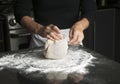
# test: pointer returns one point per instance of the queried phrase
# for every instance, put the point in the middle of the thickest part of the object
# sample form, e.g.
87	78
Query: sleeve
88	9
22	8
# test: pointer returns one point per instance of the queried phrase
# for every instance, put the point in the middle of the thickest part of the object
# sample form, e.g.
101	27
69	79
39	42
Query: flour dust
75	61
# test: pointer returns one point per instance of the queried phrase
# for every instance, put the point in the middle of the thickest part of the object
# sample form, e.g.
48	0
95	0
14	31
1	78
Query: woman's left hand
76	35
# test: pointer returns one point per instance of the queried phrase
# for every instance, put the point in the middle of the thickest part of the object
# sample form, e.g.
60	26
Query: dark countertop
105	71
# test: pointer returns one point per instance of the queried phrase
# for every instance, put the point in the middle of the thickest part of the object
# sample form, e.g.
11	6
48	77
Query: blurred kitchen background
102	36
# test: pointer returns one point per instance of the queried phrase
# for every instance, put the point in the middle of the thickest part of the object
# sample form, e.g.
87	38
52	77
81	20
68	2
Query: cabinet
106	33
104	37
1	35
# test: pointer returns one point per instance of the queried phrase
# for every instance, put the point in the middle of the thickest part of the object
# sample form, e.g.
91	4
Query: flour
33	61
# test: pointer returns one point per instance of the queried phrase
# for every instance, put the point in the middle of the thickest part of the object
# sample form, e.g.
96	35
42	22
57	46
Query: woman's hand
76	34
51	32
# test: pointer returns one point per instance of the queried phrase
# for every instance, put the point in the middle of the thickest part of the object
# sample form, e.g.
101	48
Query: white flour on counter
75	61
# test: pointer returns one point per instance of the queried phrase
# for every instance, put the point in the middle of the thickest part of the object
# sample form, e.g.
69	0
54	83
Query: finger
50	25
54	36
74	43
56	29
47	30
75	37
49	37
60	36
58	33
71	34
79	39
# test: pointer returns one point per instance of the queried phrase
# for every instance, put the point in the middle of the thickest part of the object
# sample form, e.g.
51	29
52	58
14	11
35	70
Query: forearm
30	24
82	24
88	10
50	31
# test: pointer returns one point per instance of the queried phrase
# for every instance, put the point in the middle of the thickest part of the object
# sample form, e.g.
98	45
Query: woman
52	18
73	16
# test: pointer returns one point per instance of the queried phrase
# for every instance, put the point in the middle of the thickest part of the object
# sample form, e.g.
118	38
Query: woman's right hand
51	32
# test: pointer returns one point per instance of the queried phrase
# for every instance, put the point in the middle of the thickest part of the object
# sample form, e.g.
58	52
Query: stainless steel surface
11	22
15	43
16	37
105	71
28	63
19	33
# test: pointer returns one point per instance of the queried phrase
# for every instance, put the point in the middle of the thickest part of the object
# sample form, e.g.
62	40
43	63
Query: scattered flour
33	61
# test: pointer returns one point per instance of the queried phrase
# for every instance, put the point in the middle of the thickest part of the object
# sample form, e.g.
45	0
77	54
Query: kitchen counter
104	71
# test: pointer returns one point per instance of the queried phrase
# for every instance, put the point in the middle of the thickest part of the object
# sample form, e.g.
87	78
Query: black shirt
63	13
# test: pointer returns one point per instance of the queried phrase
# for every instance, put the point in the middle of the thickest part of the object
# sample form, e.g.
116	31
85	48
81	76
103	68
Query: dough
56	49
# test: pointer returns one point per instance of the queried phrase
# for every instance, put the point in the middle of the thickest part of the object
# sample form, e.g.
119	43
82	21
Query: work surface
103	71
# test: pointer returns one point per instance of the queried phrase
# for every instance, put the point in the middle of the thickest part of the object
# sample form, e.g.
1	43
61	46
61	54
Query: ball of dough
56	49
